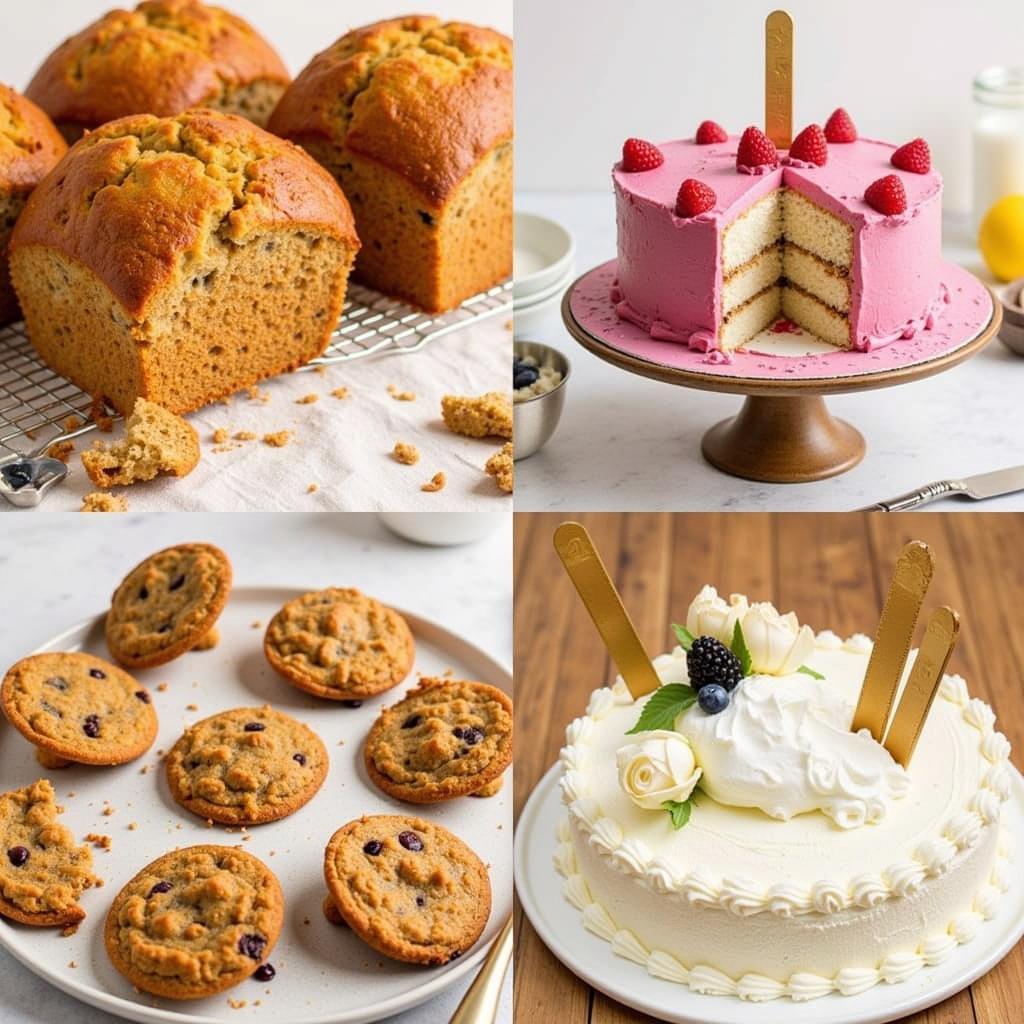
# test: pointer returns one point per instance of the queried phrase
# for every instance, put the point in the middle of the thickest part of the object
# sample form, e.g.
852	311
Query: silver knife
984	485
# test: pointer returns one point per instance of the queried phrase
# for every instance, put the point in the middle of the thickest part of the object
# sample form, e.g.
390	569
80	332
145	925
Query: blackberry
710	661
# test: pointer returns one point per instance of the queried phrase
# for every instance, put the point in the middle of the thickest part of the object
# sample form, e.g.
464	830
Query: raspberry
886	195
638	155
810	146
756	150
914	156
840	127
710	131
709	661
694	197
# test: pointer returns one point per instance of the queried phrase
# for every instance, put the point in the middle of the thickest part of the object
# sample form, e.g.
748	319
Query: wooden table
832	570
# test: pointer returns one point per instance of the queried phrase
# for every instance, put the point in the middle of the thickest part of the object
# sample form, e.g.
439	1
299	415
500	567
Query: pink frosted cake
720	236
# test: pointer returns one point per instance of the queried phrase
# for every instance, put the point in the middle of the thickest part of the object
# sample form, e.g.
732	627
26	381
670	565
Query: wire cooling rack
37	405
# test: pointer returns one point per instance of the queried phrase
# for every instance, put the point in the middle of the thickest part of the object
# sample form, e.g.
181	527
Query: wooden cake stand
784	432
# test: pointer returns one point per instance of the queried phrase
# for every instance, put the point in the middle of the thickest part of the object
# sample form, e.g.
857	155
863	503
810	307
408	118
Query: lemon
1001	238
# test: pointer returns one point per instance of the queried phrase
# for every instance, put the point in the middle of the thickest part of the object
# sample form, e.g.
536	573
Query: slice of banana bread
414	119
29	146
161	58
181	259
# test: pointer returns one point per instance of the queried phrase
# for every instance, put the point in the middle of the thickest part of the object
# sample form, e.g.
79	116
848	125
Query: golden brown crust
171	185
161	58
425	99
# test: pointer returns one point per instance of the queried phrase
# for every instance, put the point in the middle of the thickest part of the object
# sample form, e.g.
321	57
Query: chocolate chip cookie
42	871
447	738
167	604
246	766
339	644
78	707
407	887
194	922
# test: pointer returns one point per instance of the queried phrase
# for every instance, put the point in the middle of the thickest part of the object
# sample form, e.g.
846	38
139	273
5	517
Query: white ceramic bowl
543	254
442	529
531	315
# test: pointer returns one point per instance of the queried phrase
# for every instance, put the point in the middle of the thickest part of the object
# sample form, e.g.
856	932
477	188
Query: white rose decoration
661	767
778	644
710	615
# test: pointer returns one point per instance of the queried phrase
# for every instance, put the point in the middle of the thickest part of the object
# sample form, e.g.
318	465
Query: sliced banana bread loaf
180	259
29	147
414	119
161	58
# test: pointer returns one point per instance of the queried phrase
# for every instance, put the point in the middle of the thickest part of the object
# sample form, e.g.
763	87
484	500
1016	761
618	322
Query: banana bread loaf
414	119
29	147
180	259
161	58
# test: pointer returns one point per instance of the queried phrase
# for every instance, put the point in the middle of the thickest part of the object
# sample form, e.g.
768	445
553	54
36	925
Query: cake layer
761	272
816	230
752	232
825	281
815	316
753	316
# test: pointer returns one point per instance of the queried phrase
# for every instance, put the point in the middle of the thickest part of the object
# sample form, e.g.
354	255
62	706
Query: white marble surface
53	577
625	442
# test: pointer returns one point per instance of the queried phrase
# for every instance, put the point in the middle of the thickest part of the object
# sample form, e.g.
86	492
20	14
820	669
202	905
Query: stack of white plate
543	267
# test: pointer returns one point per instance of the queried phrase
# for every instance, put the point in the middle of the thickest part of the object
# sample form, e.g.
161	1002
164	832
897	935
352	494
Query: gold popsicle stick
480	1003
778	78
602	601
932	658
909	583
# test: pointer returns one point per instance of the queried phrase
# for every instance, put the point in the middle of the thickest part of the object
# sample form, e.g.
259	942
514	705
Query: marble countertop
625	442
54	577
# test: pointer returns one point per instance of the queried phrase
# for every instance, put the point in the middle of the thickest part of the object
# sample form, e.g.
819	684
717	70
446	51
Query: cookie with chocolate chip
76	707
167	604
447	738
339	644
246	766
195	922
43	871
409	888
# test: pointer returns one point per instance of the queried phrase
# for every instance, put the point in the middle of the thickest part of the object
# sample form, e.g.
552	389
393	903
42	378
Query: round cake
758	848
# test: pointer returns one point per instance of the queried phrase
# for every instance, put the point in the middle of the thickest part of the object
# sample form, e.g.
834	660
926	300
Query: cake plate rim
559	926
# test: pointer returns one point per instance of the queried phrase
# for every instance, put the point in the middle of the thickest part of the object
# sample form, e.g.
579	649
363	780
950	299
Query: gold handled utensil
480	1003
910	580
778	78
940	638
602	601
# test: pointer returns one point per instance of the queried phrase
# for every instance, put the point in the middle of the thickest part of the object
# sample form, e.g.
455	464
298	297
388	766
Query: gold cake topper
778	78
602	601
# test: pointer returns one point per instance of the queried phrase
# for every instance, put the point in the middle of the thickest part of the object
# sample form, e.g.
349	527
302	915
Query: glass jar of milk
998	137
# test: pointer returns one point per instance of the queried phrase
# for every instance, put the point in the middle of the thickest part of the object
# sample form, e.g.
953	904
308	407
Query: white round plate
560	926
325	975
543	254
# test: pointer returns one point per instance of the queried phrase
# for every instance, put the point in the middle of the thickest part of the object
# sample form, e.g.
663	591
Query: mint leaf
665	704
683	635
678	811
739	648
810	672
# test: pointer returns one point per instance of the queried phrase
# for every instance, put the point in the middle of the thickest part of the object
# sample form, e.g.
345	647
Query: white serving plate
543	253
560	926
325	975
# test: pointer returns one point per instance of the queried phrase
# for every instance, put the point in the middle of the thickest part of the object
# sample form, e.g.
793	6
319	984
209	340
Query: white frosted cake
761	849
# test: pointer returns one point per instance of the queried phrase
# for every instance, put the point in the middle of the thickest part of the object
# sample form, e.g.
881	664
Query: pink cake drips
669	268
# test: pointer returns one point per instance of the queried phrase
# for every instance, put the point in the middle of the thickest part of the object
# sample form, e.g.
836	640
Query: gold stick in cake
932	658
602	601
910	580
778	78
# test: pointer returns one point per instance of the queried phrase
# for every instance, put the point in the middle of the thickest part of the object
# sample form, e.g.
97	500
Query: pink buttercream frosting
669	268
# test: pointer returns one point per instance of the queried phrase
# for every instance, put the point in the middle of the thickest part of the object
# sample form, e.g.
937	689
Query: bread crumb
221	435
312	488
162	687
132	826
257	624
72	964
144	770
488	415
307	399
237	1004
108	810
209	640
401	396
191	707
101	842
437	482
500	466
245	435
100	502
278	440
340	393
407	454
98	414
61	450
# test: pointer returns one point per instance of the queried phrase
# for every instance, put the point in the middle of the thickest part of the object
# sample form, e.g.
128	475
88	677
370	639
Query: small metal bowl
535	419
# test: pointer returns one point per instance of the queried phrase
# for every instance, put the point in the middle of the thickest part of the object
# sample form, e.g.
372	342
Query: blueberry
412	721
373	848
143	594
57	683
301	758
713	698
97	673
175	584
426	218
252	946
265	972
421	901
525	377
458	732
254	727
352	703
455	955
472	735
91	726
411	841
161	887
142	695
17	855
